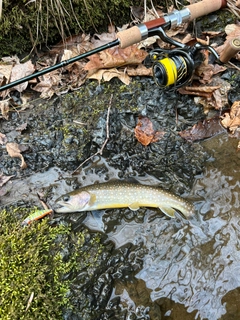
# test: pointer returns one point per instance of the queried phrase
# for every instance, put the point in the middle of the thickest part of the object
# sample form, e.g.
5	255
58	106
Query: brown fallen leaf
203	129
14	150
206	72
6	66
79	43
102	39
48	84
4	108
116	57
108	74
212	96
4	179
231	120
21	70
199	91
5	72
140	70
145	133
3	138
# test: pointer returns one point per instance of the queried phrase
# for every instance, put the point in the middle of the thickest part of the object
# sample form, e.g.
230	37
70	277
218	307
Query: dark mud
152	267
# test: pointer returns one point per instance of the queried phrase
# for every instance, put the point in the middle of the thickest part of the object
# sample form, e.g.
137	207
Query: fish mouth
62	207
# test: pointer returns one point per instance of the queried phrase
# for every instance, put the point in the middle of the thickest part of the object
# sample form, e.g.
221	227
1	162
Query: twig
145	10
100	151
154	10
233	65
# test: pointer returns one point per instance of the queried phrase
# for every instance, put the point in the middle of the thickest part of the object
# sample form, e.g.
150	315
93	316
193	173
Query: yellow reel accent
171	70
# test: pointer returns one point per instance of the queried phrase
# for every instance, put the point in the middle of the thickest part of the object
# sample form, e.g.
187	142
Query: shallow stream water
192	271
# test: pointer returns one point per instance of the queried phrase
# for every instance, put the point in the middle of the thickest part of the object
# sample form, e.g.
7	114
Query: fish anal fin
134	206
168	211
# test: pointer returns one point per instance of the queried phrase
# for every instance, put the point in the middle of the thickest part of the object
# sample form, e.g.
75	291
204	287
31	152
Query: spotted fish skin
122	195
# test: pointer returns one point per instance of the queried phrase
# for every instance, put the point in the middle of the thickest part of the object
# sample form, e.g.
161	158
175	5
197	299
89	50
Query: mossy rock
36	260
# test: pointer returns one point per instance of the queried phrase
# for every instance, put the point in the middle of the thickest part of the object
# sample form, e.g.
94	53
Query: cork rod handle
134	35
205	7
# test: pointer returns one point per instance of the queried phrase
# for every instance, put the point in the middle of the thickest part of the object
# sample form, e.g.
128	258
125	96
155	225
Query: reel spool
174	68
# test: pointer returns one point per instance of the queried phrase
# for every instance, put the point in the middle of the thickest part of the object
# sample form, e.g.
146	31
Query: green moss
33	259
27	23
218	21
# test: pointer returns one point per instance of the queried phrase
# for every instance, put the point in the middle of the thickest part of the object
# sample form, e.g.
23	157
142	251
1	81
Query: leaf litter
207	87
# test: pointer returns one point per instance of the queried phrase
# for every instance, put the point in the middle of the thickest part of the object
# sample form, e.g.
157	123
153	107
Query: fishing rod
171	67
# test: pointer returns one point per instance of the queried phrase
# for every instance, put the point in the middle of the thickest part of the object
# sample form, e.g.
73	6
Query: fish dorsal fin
168	211
134	206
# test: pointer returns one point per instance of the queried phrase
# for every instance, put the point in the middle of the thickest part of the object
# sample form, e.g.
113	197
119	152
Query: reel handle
140	32
230	50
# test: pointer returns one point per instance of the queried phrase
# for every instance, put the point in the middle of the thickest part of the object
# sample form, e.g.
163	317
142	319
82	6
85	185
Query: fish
110	195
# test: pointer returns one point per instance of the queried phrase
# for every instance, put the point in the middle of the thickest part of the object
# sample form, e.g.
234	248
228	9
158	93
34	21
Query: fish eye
66	198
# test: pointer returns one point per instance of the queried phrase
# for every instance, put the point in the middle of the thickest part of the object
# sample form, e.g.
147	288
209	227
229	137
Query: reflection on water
196	264
201	267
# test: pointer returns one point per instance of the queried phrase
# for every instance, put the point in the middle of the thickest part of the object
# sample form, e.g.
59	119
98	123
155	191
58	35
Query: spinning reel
174	68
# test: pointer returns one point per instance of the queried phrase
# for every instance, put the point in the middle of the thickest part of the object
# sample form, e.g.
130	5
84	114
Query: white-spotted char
122	195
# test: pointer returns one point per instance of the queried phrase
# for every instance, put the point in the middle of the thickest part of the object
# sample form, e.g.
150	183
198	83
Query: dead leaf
212	96
3	138
148	42
108	74
80	42
140	70
211	33
231	120
116	57
5	73
22	127
205	71
102	39
4	107
19	71
48	84
201	91
145	133
203	129
14	150
4	179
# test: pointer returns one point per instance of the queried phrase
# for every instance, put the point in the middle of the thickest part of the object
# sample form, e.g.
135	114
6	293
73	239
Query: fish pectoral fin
168	211
92	199
134	206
